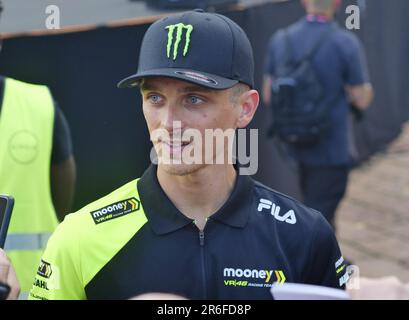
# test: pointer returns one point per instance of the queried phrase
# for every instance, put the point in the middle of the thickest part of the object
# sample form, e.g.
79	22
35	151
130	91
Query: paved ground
373	219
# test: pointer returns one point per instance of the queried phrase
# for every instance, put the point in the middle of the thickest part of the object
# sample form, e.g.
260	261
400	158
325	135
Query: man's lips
174	146
176	143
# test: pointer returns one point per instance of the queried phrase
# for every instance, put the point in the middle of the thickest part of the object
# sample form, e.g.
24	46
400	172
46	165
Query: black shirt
135	241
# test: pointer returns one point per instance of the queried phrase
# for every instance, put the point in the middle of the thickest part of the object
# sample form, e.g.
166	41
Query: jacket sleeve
356	69
59	274
326	266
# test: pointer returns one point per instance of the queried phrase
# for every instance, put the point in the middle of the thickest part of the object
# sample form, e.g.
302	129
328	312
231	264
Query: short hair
322	4
236	91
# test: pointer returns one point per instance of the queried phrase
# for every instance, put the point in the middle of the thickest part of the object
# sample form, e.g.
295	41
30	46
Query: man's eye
154	98
194	100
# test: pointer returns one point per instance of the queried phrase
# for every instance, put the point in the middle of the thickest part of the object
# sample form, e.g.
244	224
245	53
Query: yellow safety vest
26	133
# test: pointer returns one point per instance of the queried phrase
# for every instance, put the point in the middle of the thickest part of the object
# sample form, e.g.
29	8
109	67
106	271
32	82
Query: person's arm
269	71
358	86
267	82
385	288
59	275
12	280
63	169
360	96
63	185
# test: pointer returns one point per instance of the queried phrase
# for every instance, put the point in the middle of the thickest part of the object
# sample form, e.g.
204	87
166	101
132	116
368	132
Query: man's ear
248	103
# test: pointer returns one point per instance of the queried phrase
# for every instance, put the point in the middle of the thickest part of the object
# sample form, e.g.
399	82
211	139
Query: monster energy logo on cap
176	41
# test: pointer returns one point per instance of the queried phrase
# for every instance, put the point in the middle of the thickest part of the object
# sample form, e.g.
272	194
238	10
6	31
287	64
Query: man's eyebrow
146	86
194	89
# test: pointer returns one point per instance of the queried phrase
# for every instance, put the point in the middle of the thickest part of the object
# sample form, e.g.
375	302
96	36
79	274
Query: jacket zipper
202	254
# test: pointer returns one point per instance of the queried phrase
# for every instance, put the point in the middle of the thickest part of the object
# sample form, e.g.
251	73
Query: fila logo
175	39
288	217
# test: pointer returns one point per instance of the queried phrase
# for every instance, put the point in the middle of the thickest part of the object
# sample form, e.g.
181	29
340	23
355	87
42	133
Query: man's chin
180	169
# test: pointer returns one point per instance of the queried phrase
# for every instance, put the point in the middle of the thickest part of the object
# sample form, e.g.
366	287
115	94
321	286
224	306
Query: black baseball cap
207	49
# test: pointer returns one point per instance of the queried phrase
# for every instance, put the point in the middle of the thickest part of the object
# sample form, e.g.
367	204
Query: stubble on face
221	115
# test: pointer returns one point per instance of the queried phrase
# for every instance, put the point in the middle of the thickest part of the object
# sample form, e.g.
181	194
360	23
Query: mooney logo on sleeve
115	210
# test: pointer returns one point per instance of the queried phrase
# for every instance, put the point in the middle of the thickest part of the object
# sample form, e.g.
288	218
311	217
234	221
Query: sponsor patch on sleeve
44	269
341	271
48	276
115	210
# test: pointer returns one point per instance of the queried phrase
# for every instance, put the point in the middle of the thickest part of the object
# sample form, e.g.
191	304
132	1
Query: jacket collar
164	217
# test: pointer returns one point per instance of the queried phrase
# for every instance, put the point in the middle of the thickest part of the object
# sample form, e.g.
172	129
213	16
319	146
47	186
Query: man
36	167
340	64
198	230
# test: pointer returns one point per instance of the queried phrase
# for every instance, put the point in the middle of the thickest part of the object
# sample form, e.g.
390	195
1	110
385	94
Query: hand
357	113
10	276
386	288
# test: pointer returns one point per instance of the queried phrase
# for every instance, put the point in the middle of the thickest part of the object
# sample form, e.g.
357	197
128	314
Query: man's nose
171	117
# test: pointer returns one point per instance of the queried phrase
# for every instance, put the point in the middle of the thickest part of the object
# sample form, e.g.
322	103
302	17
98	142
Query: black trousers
323	188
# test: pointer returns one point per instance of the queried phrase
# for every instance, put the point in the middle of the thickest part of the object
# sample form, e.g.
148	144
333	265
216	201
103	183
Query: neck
200	194
324	15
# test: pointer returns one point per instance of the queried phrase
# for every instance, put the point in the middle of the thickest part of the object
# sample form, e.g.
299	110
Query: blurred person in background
37	168
335	57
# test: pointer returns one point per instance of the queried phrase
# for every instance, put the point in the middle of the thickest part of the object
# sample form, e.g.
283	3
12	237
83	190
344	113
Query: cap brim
197	77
